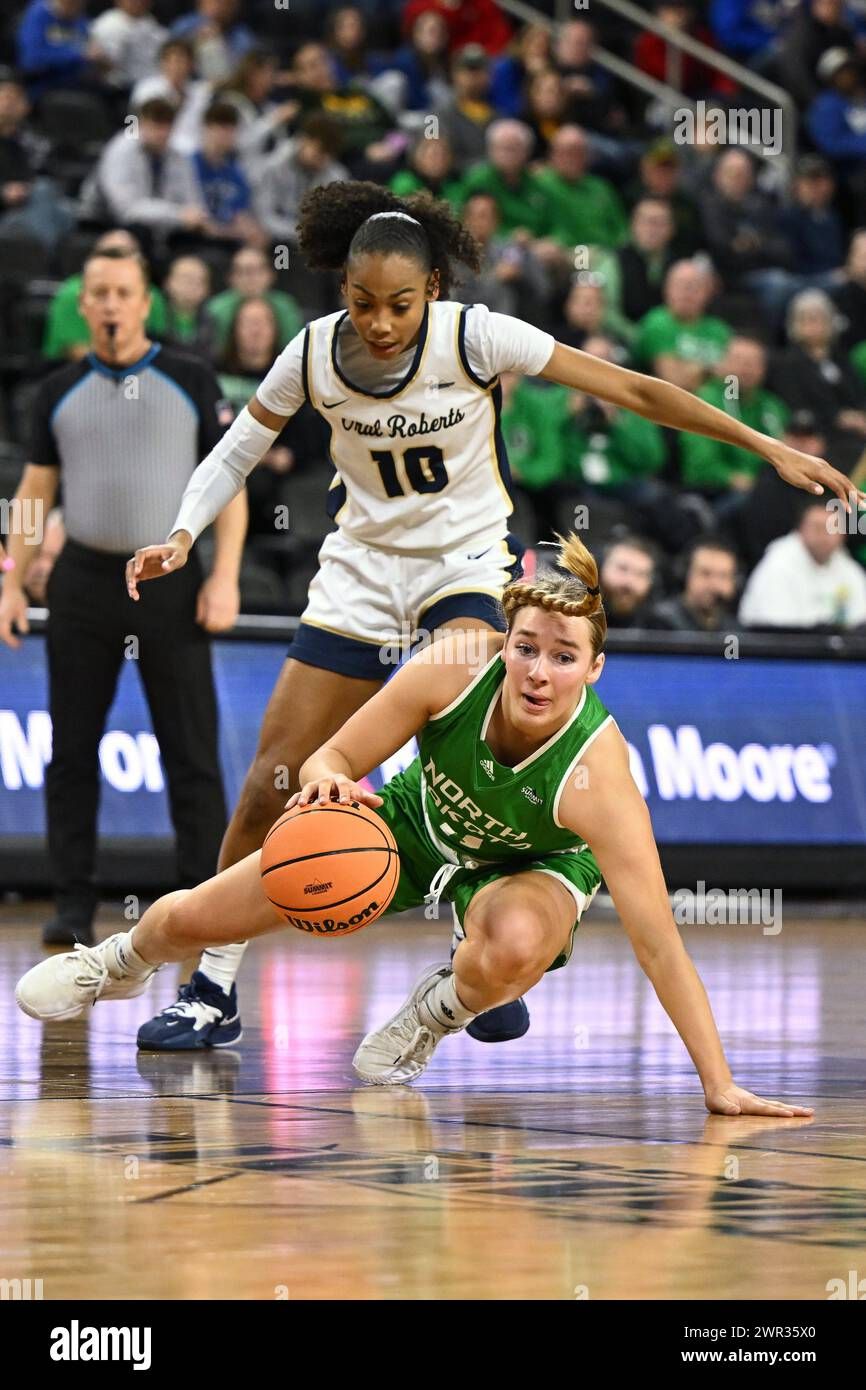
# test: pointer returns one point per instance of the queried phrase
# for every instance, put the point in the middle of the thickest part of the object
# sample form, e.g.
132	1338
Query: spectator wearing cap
679	341
850	295
705	602
817	27
54	47
142	180
511	280
252	274
131	39
465	123
660	176
813	372
66	333
223	186
528	54
430	169
646	257
582	209
174	82
30	203
812	225
836	120
520	197
807	579
307	160
217	36
724	473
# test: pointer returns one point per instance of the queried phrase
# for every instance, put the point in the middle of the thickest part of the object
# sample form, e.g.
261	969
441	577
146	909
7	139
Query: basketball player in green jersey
520	799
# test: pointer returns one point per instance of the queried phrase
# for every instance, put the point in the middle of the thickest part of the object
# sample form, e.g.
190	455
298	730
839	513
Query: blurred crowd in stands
733	272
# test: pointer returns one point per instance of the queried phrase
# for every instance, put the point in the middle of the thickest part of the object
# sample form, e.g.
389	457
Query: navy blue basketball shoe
502	1024
505	1023
204	1016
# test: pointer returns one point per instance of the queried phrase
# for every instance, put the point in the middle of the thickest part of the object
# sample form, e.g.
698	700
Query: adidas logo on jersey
531	796
488	768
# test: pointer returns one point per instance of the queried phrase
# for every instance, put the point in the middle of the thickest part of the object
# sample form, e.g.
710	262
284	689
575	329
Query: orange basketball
330	870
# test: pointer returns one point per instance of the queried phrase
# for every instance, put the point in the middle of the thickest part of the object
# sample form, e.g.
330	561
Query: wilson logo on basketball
332	925
317	887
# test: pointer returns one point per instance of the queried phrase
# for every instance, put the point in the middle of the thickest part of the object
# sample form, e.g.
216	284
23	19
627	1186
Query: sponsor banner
739	752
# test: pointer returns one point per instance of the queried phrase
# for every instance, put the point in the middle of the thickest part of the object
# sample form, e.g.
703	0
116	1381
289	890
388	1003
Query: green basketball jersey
477	810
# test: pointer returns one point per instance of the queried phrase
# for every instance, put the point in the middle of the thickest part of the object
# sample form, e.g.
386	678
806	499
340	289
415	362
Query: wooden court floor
578	1162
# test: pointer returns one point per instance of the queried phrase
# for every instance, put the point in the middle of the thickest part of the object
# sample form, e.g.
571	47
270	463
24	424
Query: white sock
220	964
128	960
442	1002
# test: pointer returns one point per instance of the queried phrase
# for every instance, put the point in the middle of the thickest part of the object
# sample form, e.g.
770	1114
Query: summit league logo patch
488	768
532	796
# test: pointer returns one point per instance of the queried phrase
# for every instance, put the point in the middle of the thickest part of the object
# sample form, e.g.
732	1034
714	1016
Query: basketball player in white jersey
408	382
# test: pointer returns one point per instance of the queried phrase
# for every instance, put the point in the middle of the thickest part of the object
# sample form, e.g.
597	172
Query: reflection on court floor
578	1162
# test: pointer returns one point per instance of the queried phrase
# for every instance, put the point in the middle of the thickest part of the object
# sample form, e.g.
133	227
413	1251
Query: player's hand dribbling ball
330	869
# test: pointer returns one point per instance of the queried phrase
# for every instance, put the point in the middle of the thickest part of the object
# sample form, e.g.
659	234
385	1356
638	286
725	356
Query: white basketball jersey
421	467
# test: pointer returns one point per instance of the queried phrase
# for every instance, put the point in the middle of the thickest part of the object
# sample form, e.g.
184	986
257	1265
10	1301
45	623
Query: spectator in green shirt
66	334
618	455
858	359
430	169
534	420
679	341
725	472
583	210
519	196
186	288
252	274
608	448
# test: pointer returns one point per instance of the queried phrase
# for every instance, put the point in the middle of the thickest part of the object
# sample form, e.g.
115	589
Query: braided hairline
535	596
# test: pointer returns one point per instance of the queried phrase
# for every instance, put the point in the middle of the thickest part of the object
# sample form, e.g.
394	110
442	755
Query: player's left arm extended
425	685
670	405
605	808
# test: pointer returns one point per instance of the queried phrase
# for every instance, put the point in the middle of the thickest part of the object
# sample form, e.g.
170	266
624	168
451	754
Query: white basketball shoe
399	1051
66	986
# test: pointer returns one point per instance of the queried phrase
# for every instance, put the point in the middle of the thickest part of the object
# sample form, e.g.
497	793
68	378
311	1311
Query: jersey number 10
424	465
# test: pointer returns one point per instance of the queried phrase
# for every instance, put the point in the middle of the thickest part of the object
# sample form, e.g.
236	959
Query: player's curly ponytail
576	592
333	227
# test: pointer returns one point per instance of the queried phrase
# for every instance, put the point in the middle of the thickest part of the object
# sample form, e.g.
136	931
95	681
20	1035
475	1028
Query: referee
122	430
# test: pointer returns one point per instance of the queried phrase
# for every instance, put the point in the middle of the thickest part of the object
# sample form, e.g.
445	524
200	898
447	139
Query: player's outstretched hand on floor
734	1100
339	788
